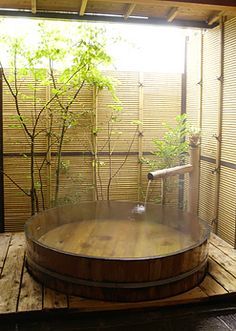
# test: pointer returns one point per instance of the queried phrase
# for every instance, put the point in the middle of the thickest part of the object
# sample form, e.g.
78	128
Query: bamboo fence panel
193	89
227	205
208	104
156	100
194	83
124	184
127	90
123	137
227	202
229	104
161	104
210	107
76	179
207	191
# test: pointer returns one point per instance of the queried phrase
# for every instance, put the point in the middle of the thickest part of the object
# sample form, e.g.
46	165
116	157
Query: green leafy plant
172	148
63	65
170	151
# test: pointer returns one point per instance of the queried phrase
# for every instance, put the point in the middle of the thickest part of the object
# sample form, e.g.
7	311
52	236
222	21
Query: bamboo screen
206	108
227	202
210	108
148	97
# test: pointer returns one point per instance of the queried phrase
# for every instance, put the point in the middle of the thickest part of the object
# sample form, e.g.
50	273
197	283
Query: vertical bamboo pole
1	158
193	180
201	84
200	110
163	180
49	155
94	142
183	111
219	127
140	136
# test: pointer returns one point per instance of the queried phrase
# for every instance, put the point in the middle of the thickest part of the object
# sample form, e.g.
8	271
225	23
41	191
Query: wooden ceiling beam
106	18
172	14
83	7
34	6
215	17
228	6
129	10
219	5
224	3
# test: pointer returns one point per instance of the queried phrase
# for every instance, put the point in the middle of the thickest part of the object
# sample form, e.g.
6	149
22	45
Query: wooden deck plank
30	298
86	305
4	244
223	246
53	299
223	277
11	274
224	260
211	287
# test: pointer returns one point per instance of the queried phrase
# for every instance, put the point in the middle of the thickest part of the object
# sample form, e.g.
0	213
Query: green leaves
137	122
54	73
172	149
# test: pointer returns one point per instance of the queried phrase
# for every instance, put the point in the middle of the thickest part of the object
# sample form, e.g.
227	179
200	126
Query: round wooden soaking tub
116	250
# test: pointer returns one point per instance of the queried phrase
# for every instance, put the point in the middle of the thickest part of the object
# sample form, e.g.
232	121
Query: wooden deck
20	293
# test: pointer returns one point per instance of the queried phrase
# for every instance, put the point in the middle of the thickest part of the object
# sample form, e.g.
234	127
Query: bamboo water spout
193	169
179	170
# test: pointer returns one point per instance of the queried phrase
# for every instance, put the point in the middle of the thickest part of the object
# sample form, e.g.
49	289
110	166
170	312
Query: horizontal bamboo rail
179	170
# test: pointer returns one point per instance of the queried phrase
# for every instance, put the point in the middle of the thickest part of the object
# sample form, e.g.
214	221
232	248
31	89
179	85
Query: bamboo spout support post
193	187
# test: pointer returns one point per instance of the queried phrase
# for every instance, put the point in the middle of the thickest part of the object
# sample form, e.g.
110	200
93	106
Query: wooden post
140	137
193	187
94	143
183	111
219	128
201	86
49	155
1	159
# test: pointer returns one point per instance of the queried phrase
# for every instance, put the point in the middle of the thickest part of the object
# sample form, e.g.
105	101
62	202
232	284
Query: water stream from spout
147	192
140	208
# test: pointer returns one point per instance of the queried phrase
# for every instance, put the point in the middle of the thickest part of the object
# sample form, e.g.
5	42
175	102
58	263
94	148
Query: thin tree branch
127	155
15	96
17	185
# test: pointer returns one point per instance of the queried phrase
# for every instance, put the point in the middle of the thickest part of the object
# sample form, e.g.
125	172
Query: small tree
171	150
64	64
113	136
